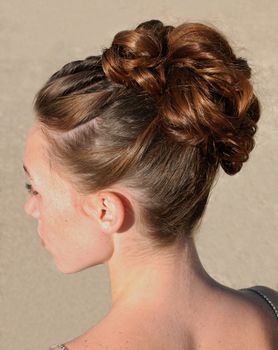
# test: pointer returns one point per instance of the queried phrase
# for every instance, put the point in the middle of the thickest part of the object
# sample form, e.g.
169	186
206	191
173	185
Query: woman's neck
161	280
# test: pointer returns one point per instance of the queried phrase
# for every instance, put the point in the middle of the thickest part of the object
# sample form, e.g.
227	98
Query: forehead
38	162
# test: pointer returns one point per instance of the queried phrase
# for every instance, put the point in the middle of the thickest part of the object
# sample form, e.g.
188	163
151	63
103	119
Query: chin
68	264
68	269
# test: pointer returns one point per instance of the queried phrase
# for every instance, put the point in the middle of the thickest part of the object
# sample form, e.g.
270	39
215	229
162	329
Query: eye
31	190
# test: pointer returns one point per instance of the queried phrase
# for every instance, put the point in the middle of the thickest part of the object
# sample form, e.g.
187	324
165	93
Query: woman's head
155	114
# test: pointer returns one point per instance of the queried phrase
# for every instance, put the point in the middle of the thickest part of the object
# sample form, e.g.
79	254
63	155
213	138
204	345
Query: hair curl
158	111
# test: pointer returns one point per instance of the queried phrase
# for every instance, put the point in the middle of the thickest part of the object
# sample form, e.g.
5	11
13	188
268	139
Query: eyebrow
26	171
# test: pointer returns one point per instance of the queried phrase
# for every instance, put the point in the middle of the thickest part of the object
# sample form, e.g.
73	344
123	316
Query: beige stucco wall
238	241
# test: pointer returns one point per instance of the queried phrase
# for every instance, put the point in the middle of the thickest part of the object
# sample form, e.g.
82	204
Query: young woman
121	160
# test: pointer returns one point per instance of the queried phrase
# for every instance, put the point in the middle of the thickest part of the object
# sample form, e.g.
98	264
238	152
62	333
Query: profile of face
73	230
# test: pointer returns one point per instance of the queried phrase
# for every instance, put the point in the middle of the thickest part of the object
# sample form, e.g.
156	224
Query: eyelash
30	190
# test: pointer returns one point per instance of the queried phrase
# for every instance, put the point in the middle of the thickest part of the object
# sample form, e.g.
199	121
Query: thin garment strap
270	303
60	346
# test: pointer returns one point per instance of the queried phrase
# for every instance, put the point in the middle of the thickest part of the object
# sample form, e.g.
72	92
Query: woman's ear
107	209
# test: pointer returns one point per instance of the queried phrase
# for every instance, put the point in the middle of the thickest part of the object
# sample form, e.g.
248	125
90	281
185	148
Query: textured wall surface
237	240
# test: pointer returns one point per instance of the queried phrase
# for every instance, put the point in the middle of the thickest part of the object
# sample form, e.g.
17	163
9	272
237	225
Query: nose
31	207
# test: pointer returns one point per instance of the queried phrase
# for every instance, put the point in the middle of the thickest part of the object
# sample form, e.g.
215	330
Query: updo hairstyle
158	112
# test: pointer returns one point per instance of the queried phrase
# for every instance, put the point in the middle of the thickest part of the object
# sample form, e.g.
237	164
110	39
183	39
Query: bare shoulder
240	320
113	336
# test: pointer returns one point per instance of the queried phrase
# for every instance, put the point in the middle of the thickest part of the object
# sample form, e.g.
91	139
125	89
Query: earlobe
106	227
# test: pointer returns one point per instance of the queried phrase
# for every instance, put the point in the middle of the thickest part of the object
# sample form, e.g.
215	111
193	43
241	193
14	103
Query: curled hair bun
203	90
136	57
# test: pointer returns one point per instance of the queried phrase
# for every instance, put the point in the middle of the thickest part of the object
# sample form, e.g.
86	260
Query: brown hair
158	111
